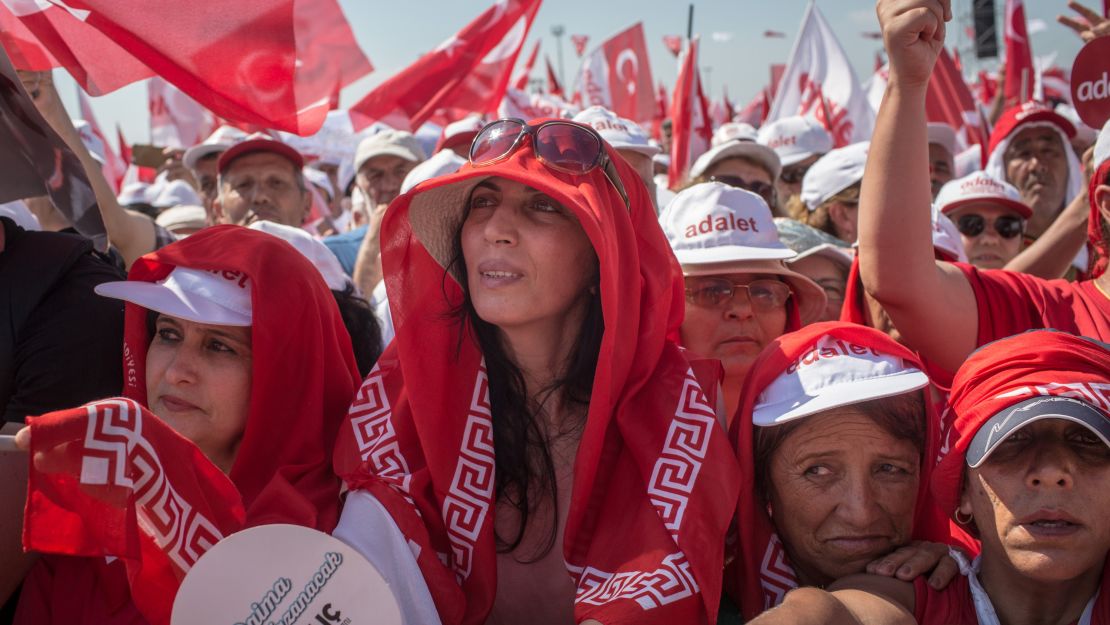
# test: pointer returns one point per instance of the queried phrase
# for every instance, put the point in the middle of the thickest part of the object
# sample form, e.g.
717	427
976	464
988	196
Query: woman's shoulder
950	605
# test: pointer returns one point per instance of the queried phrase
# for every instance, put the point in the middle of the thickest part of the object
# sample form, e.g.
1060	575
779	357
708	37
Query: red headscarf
1011	370
302	380
764	574
654	479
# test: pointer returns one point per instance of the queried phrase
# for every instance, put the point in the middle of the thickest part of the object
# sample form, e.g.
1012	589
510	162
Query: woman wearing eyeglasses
990	216
532	447
739	293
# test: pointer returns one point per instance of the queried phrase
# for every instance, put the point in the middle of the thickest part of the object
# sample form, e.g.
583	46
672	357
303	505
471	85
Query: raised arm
930	303
132	233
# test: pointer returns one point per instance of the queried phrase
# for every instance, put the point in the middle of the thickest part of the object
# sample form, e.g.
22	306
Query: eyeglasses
764	295
793	175
762	189
1007	226
560	145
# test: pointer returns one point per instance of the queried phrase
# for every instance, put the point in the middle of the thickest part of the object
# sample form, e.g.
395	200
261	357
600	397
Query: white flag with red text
617	75
819	82
176	120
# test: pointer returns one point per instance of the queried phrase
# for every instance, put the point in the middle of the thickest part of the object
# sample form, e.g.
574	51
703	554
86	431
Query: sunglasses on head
764	295
762	189
560	145
1007	226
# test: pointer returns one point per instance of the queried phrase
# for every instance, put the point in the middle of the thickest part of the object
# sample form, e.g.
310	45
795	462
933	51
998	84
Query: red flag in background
956	59
466	74
132	173
660	114
579	42
553	86
986	88
520	80
1019	56
690	131
949	100
617	75
176	120
777	70
114	167
729	106
274	63
755	111
673	43
21	45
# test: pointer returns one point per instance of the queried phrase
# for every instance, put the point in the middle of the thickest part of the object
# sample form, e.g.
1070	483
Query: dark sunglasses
762	189
764	295
560	145
793	175
1007	226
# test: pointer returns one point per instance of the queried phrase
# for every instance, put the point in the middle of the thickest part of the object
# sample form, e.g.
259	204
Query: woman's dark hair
359	319
362	325
902	416
524	467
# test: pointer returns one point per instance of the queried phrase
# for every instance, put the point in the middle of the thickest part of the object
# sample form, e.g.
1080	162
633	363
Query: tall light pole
558	31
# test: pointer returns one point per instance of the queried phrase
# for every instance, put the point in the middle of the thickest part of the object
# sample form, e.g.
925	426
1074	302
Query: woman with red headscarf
835	438
234	341
532	442
1027	473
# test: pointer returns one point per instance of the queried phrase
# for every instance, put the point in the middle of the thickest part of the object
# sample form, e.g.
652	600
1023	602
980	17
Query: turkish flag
114	167
466	74
949	100
754	111
819	81
579	42
690	130
520	79
617	75
1019	56
176	120
553	86
273	63
673	43
534	105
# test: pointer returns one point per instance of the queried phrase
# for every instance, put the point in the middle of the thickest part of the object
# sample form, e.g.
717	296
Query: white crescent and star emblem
628	57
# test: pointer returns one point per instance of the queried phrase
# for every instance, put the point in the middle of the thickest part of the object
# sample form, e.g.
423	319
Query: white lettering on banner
470	496
116	454
1094	89
672	581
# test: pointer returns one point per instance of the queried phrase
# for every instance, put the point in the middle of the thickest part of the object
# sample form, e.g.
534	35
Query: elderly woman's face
528	261
735	331
842	493
198	380
1039	502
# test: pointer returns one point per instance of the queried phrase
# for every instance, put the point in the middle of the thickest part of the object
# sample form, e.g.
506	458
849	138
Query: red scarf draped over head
303	378
764	574
1011	370
1097	245
654	480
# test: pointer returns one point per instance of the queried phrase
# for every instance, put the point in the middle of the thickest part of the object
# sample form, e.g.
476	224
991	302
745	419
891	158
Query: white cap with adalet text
795	139
211	296
715	223
833	373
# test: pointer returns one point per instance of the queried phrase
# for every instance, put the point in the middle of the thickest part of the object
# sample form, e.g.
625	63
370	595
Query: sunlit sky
734	54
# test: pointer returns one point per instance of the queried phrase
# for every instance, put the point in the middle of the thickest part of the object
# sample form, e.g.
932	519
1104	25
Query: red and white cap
981	187
744	146
1027	113
712	223
947	243
621	133
259	142
795	139
834	373
834	172
458	132
223	138
210	296
734	131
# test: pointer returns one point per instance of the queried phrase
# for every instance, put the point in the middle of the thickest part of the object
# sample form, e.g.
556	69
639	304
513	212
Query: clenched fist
913	34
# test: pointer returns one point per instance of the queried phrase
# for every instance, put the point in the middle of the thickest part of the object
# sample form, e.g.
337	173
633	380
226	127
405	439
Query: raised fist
913	34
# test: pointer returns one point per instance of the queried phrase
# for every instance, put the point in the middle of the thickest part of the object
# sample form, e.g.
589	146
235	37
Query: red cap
259	142
1024	114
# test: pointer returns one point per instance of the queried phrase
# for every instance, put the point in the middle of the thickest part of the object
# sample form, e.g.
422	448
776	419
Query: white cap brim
844	394
731	149
730	253
172	302
194	154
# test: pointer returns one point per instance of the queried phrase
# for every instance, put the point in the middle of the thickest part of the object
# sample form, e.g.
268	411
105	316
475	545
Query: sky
734	54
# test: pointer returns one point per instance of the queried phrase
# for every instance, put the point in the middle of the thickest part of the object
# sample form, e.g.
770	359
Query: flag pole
690	23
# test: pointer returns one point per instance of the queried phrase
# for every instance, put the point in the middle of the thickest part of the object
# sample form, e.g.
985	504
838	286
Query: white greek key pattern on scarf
776	576
470	497
676	471
1094	393
116	454
371	418
672	581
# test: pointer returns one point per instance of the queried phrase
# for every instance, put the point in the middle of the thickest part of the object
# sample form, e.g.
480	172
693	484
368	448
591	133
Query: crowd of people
530	382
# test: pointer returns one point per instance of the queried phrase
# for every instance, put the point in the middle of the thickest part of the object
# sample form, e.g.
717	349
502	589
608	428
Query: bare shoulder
876	598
